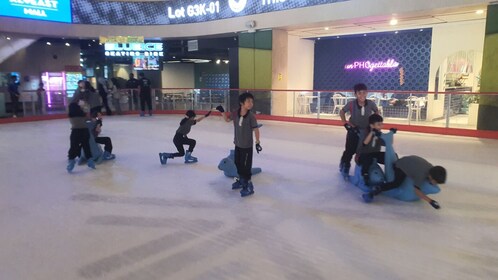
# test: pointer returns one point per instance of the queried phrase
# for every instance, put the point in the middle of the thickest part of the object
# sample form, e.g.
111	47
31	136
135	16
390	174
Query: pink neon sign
370	66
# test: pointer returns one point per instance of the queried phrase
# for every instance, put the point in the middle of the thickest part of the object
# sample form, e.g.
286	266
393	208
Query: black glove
435	204
220	109
377	132
393	130
258	148
208	113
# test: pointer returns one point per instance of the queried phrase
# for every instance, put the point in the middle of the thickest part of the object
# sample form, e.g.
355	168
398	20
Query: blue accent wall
411	48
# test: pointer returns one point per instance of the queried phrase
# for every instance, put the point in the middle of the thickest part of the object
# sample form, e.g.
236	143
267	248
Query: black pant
351	147
15	104
366	160
179	140
399	177
145	97
243	162
80	138
106	104
106	141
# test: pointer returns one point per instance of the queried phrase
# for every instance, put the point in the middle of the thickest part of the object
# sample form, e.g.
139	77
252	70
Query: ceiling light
480	12
68	45
226	61
364	35
318	38
326	28
218	61
396	32
48	43
421	30
338	37
174	61
393	21
93	40
8	38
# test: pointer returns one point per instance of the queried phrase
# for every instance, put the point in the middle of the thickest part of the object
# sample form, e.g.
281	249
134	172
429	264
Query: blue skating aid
97	152
405	192
227	165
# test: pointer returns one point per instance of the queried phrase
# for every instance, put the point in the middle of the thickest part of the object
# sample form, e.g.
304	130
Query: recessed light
338	37
218	61
8	38
68	45
326	28
93	40
480	12
364	35
318	38
48	43
396	32
393	21
421	30
226	61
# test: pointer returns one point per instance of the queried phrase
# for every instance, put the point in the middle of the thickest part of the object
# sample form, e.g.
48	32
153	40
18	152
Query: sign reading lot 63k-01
178	11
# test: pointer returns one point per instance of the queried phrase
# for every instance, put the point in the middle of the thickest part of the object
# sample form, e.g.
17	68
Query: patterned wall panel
178	11
412	49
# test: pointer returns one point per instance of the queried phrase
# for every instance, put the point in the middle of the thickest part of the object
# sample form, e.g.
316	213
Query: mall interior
430	66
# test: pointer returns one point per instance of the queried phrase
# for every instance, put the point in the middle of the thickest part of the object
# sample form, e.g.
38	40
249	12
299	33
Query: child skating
80	136
244	122
181	139
360	109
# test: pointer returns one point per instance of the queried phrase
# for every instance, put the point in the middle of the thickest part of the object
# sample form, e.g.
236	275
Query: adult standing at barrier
40	93
114	92
144	88
14	94
132	84
102	88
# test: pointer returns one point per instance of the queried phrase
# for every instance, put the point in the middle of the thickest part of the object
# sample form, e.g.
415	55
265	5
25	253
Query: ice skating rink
133	219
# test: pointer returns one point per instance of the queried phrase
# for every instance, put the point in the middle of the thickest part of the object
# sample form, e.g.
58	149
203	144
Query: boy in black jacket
181	139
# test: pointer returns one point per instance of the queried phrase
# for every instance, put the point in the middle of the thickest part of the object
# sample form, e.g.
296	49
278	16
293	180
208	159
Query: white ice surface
135	219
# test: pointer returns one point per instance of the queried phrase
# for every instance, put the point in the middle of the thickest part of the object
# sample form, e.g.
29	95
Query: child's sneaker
108	156
189	158
70	165
91	163
236	185
247	190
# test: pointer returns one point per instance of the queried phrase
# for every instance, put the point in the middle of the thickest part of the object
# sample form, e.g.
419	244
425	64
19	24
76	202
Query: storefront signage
51	10
178	11
121	39
371	66
134	49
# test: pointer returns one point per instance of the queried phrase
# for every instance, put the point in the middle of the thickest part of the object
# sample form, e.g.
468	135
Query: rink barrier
317	108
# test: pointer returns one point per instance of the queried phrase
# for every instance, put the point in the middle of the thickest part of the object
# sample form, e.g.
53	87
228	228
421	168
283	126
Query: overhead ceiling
381	24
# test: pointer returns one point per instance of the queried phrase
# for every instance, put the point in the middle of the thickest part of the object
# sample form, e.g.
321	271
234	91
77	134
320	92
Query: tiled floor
135	219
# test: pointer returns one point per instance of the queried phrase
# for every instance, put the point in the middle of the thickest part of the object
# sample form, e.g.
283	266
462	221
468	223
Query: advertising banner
50	10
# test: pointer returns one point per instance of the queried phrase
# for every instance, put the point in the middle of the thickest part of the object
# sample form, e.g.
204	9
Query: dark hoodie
77	116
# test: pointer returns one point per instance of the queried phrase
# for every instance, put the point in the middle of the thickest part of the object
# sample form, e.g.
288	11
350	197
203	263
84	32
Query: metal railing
443	109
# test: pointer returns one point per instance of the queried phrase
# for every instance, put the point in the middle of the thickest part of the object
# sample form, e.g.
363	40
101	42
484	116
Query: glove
393	130
220	109
435	204
258	148
377	132
208	113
